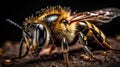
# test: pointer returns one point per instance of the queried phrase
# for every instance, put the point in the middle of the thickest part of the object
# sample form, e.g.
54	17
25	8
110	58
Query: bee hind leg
65	50
83	41
107	45
101	40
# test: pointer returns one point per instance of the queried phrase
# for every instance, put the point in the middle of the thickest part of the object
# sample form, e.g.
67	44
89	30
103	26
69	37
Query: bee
59	26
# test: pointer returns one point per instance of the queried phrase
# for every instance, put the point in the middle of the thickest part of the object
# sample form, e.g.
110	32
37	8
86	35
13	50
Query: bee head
35	35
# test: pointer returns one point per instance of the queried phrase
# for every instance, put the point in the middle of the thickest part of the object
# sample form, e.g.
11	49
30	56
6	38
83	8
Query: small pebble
75	59
7	62
1	51
74	62
7	45
84	57
53	65
104	53
118	38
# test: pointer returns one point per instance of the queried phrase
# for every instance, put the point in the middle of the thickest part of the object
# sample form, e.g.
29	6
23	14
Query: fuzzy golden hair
65	12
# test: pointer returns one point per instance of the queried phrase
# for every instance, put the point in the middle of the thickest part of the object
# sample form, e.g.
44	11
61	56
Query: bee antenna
20	27
11	22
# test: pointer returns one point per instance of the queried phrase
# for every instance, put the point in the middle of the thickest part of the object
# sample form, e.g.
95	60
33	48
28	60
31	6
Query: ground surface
111	59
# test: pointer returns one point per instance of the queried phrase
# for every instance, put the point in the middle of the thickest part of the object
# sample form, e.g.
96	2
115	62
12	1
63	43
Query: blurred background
18	10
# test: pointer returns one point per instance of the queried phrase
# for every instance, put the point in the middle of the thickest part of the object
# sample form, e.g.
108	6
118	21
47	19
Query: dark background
18	10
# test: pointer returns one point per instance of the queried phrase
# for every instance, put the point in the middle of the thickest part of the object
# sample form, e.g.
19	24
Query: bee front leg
24	39
83	41
65	50
20	49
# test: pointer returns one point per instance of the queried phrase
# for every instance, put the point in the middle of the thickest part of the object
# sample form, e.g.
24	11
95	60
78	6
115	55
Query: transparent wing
101	16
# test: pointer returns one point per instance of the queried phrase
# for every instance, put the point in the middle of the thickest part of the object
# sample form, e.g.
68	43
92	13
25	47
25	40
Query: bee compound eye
41	35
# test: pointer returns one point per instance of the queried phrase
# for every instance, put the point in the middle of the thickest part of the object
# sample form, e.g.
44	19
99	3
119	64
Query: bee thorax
57	35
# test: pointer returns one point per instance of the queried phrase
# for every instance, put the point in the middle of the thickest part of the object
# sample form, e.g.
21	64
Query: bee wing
101	16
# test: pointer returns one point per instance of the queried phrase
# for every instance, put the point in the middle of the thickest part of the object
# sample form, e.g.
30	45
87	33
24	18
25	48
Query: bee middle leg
83	41
65	50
